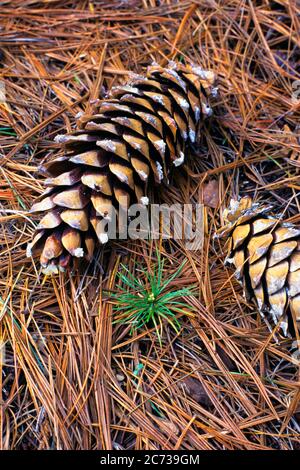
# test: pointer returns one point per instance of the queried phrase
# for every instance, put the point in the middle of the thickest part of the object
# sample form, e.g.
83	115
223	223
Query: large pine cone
134	138
266	255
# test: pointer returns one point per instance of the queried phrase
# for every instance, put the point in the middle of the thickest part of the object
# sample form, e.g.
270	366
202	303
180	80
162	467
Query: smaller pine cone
266	255
130	142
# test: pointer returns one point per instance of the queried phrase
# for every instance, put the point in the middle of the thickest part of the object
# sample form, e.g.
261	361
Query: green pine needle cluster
145	300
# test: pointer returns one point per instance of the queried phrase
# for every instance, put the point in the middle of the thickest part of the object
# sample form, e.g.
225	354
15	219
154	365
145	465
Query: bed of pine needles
74	373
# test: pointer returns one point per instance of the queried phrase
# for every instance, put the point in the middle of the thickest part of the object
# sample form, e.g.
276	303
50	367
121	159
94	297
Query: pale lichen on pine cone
265	252
133	139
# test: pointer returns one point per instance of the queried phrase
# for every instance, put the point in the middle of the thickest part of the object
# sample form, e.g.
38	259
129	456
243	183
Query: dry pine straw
71	379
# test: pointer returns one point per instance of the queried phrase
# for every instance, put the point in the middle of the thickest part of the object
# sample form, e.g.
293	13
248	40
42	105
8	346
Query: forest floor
71	376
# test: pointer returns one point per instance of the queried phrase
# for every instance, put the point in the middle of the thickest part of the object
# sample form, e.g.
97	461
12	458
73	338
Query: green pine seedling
144	300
